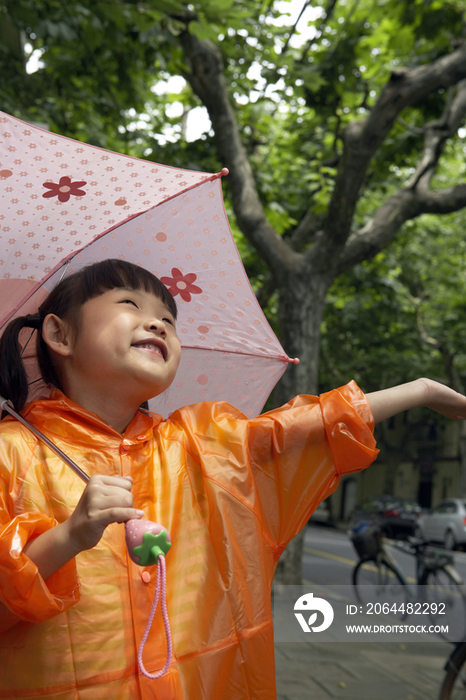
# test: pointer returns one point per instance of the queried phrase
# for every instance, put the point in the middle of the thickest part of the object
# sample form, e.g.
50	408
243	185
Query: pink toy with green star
146	541
147	544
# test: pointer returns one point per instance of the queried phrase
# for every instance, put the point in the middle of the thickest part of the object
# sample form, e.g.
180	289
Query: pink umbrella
66	204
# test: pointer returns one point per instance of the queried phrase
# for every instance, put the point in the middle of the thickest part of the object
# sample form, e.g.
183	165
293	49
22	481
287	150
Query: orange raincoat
231	491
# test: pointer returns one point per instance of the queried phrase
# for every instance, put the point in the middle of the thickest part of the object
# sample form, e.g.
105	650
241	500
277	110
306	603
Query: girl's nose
157	325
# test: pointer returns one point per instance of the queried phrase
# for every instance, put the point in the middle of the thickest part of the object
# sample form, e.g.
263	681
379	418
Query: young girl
232	492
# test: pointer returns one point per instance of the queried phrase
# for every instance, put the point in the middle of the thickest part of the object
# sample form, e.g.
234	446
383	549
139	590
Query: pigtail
13	376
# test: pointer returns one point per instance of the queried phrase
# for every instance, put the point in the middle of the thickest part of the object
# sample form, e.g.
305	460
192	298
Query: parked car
398	517
445	523
321	514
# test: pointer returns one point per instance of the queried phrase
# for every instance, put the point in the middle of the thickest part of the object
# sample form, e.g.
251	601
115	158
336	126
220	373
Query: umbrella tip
295	360
224	172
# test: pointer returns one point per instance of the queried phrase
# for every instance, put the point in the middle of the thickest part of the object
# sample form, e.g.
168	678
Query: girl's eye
129	301
168	320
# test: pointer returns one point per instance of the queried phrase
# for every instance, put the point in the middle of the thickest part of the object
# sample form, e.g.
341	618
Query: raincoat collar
61	416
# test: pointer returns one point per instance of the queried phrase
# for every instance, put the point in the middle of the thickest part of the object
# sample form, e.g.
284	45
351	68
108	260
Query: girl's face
126	344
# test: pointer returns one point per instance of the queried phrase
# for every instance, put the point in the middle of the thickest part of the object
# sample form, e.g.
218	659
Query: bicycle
439	589
454	682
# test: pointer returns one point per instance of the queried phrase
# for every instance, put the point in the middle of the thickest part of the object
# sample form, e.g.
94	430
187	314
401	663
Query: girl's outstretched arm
421	392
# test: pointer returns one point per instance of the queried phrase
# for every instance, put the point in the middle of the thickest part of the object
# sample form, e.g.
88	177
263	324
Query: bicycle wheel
446	598
454	682
378	582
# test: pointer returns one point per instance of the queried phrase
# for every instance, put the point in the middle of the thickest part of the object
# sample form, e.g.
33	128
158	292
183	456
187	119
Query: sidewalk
360	671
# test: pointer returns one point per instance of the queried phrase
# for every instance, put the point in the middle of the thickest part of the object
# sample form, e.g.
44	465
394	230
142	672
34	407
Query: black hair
65	301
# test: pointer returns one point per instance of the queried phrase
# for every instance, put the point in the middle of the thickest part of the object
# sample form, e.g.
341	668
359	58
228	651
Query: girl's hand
105	500
444	400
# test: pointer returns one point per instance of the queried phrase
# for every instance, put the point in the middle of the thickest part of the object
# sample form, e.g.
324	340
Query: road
329	558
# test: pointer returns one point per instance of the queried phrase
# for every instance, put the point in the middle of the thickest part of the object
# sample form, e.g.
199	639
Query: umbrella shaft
6	406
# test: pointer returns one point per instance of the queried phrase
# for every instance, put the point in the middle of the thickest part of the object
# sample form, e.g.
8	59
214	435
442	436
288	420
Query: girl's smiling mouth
153	345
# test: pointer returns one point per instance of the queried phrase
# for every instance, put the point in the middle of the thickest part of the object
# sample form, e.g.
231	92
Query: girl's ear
57	335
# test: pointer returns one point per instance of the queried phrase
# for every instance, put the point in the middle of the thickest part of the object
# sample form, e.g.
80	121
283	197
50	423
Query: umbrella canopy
66	204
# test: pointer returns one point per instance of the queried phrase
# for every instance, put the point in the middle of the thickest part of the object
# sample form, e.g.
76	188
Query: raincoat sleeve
23	592
298	453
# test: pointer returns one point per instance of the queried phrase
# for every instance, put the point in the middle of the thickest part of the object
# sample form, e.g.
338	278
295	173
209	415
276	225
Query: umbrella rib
240	352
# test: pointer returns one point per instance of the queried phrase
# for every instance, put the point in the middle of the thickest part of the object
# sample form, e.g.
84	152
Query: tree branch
363	138
404	205
207	81
320	30
442	201
293	29
413	129
305	232
436	134
416	198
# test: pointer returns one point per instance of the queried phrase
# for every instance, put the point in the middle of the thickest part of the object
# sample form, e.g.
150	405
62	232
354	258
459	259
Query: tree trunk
300	314
301	306
289	567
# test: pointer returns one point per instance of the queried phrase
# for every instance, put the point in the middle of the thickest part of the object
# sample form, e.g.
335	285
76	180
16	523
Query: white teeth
150	346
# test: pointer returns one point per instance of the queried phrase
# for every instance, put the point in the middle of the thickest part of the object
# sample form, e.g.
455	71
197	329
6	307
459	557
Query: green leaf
203	31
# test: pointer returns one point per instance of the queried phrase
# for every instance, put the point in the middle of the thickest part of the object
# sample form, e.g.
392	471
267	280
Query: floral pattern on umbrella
64	189
181	284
